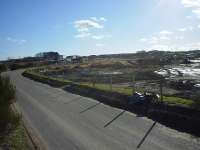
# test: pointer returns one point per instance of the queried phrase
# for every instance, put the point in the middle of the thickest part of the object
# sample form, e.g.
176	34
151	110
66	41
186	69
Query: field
113	81
12	132
15	139
117	75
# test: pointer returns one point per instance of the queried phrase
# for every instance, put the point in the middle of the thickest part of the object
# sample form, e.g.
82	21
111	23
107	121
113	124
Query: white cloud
99	45
167	40
86	25
158	37
193	46
179	37
182	29
188	17
196	12
98	37
94	19
184	47
103	19
164	35
108	35
191	3
153	40
191	28
164	38
143	40
98	19
159	47
22	41
83	35
11	39
165	32
194	5
17	41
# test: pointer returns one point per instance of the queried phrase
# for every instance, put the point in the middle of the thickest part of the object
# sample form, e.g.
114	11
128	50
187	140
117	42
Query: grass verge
15	139
57	82
12	133
170	100
44	79
171	113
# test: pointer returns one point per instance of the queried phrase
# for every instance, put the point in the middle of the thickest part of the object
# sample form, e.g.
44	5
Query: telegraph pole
111	82
133	84
161	90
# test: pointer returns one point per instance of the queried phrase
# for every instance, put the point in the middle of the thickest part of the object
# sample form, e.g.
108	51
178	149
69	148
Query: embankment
180	118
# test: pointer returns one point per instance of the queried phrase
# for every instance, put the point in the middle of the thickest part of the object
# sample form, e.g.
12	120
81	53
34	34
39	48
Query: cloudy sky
85	27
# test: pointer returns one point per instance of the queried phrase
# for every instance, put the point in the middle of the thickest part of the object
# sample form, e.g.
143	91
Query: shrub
196	103
7	91
55	82
16	66
2	68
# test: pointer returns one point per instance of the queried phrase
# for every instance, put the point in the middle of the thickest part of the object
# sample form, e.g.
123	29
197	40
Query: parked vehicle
136	98
143	99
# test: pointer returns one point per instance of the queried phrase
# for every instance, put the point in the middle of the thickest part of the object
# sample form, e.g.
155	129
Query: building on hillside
74	59
85	59
61	58
50	56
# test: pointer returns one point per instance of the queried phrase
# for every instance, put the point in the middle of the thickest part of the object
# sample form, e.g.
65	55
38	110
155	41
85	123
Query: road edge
34	142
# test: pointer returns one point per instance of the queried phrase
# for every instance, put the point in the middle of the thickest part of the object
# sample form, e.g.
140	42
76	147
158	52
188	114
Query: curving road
65	121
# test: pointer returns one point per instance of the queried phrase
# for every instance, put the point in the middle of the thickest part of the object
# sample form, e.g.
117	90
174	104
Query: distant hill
154	53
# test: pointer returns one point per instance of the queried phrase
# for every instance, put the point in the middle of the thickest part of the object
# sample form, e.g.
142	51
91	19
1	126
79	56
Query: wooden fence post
94	80
133	84
161	90
111	82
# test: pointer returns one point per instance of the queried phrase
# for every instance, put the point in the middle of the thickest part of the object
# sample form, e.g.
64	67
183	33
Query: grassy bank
175	112
170	100
12	133
15	139
44	79
58	82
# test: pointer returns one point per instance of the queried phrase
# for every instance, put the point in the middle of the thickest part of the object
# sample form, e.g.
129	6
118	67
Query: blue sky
85	27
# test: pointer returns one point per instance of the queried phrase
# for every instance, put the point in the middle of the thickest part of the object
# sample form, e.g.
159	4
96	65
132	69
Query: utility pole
161	90
110	82
94	80
133	84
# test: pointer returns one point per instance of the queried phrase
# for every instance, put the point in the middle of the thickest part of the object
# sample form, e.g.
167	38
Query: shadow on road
73	100
107	124
90	107
145	136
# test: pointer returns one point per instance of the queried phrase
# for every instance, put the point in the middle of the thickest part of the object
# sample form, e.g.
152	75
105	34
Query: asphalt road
65	121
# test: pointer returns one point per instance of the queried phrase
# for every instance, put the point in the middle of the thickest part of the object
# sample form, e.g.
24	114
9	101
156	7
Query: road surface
65	121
